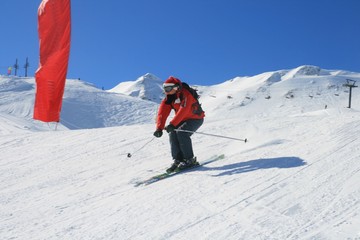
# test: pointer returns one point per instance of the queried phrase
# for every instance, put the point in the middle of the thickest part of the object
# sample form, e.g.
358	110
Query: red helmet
174	80
170	83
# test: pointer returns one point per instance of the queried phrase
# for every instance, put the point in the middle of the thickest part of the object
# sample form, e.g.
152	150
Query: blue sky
200	41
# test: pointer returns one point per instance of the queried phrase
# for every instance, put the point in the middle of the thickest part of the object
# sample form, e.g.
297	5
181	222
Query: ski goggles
168	87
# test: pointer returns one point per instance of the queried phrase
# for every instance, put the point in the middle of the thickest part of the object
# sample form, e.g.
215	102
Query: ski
165	175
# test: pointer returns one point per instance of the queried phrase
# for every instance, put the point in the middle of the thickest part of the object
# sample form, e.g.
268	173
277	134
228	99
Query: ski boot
173	166
188	163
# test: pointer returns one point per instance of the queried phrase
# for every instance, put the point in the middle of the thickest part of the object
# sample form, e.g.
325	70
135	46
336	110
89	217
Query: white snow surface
84	106
147	87
297	177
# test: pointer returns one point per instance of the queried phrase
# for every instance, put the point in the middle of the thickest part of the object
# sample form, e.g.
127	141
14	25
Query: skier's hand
170	128
158	133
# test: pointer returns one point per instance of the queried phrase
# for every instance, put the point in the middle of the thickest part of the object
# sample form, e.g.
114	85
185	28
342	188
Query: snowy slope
84	106
297	177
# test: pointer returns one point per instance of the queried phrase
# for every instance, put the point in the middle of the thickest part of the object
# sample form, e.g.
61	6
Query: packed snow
297	177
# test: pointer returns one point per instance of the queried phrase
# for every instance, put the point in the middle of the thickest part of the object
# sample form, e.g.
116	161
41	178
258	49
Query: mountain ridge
135	102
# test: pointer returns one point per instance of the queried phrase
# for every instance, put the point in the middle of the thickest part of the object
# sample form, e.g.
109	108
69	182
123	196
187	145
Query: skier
188	116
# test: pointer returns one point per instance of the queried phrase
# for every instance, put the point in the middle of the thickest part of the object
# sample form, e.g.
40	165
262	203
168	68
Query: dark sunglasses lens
168	88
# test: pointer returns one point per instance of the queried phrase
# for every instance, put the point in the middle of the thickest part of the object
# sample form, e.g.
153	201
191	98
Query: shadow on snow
253	165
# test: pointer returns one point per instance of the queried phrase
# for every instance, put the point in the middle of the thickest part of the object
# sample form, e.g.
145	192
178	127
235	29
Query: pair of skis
162	176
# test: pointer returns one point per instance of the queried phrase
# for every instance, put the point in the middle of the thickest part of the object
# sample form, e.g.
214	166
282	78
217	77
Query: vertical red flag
54	27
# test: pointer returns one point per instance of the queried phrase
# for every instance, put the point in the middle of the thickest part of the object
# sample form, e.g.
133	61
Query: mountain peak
150	76
146	87
308	70
305	70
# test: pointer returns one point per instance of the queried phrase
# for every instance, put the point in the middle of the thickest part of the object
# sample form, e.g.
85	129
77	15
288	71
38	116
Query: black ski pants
180	142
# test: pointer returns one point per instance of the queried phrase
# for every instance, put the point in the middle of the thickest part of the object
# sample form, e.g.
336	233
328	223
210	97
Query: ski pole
129	155
213	135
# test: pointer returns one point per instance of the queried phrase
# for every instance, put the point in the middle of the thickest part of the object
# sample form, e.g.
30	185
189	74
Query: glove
158	133
170	128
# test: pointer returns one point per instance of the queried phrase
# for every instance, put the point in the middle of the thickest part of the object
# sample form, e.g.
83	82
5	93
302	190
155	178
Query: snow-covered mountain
84	106
297	177
147	87
303	89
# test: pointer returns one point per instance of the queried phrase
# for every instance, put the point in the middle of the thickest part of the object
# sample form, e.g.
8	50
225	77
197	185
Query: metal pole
350	84
26	66
129	155
350	97
213	135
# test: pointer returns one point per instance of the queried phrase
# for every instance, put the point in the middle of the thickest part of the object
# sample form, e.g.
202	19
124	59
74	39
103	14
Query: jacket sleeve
163	113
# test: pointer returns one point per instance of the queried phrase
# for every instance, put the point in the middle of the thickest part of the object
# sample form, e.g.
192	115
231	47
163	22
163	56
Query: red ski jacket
185	105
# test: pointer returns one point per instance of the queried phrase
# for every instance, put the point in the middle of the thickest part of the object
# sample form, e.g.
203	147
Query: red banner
54	27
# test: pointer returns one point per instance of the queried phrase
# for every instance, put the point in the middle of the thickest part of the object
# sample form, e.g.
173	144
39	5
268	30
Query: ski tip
245	140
